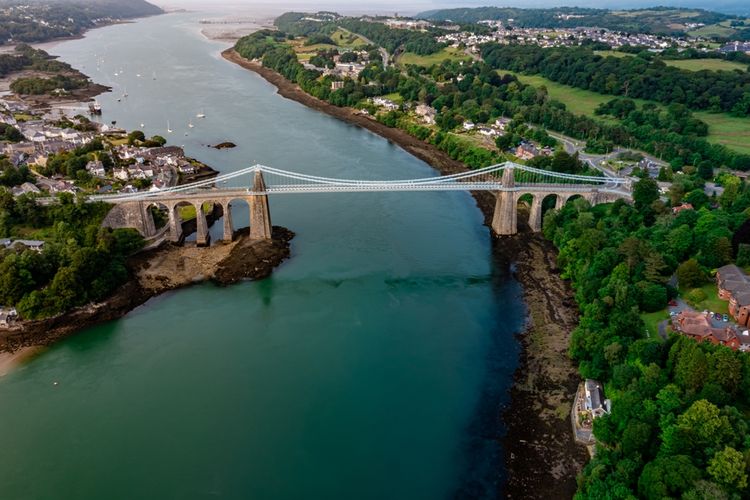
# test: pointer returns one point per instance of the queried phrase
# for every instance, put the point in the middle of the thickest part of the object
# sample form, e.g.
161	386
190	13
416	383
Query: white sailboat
169	129
191	124
201	115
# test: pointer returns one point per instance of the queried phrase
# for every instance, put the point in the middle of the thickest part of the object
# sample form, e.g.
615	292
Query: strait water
371	365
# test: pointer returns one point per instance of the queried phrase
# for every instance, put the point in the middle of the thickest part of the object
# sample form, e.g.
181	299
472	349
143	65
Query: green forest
679	424
633	77
42	21
81	262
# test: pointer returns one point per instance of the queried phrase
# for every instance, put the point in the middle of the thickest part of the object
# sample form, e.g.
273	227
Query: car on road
673	303
725	317
717	317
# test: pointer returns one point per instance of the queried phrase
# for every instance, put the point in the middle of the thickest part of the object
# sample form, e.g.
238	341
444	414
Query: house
25	188
426	113
526	151
595	402
734	286
34	245
502	122
121	174
680	208
469	125
489	132
8	316
385	103
96	168
697	325
336	85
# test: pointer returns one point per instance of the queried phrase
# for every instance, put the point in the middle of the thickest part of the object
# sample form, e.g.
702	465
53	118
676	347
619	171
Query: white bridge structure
508	181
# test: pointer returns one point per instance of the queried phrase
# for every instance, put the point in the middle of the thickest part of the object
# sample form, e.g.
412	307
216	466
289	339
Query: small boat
142	125
202	114
138	75
95	108
125	93
119	99
154	75
191	125
169	129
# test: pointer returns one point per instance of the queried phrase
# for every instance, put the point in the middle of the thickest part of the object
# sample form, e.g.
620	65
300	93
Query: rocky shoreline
541	457
155	272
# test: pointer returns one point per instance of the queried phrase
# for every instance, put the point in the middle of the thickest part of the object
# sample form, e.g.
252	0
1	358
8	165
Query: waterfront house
426	113
8	316
595	402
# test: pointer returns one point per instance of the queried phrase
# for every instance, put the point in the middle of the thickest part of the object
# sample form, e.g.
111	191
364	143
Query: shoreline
152	273
545	379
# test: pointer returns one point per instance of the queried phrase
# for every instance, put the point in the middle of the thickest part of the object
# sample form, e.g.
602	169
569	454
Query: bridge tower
260	213
505	218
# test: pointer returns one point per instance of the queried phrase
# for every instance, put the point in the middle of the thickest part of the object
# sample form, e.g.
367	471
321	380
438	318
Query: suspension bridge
508	181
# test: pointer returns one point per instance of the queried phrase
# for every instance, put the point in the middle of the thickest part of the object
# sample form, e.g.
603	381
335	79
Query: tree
645	192
667	477
727	467
690	274
705	170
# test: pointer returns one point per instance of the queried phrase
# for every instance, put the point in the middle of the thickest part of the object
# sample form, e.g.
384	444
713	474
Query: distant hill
658	20
31	21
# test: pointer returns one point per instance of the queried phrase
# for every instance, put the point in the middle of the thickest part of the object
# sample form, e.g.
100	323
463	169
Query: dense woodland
679	424
41	21
81	262
633	77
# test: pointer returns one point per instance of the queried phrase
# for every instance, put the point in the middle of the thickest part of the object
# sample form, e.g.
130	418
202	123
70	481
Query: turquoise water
371	365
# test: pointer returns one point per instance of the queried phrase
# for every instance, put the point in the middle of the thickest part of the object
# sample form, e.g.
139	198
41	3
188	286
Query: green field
731	131
723	129
447	53
348	40
710	64
713	30
613	53
652	321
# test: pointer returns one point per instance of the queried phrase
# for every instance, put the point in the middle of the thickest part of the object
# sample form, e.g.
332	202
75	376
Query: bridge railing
284	181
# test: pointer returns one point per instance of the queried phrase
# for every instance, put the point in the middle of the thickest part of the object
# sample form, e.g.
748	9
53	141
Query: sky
410	7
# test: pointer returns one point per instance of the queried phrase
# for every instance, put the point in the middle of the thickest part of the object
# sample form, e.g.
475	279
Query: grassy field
447	53
713	30
652	321
712	303
348	40
733	132
613	53
710	64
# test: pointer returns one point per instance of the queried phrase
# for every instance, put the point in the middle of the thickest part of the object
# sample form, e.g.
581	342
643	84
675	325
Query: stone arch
159	214
181	220
530	205
549	201
236	214
207	212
